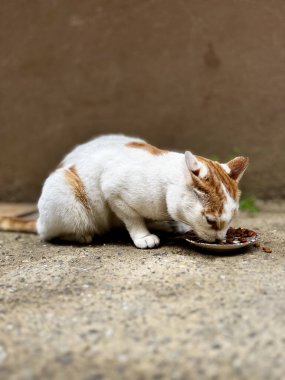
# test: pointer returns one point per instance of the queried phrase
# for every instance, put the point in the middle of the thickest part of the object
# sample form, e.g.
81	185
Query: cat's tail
12	224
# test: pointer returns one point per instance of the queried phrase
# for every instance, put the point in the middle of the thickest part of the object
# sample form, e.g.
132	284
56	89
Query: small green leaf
247	203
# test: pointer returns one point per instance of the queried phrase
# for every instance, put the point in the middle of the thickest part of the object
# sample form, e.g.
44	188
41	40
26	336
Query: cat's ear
192	163
237	167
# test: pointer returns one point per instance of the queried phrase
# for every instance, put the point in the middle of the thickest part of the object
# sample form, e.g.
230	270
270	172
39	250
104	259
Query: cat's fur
114	180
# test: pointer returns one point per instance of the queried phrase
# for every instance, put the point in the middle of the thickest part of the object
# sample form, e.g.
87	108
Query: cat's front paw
149	241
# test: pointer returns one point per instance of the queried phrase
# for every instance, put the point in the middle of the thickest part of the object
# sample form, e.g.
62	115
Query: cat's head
213	194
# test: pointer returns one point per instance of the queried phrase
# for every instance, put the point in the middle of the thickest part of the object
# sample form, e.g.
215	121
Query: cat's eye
210	221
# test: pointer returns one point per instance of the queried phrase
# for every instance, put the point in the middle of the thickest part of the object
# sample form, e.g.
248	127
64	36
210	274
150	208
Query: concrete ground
110	311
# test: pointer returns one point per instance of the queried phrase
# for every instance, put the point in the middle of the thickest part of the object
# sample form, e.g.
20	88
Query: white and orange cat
117	180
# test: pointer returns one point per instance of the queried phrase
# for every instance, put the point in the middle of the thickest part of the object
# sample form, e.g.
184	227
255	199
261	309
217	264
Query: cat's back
101	146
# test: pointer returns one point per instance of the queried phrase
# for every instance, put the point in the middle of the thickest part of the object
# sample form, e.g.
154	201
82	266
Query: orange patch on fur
147	147
77	186
211	185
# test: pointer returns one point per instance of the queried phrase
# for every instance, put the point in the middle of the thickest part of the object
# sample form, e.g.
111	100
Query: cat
115	180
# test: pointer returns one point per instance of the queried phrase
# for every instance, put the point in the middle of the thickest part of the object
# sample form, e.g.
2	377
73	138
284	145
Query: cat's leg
61	214
134	223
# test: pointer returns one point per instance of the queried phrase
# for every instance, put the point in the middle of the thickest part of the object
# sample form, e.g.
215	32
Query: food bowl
235	240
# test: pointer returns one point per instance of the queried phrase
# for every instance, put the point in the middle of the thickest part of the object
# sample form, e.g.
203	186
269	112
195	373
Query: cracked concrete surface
110	311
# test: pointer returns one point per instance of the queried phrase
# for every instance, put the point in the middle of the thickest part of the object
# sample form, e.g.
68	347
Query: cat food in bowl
236	238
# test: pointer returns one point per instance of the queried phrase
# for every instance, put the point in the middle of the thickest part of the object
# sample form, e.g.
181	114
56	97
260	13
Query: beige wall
203	75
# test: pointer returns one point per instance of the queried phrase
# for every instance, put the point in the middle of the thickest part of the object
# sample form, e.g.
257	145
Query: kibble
240	234
233	236
267	249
